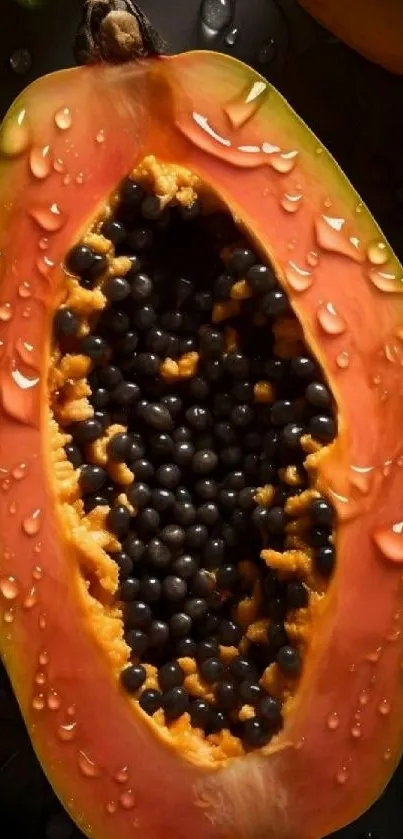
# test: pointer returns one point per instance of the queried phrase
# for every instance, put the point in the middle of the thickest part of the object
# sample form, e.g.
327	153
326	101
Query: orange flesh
81	725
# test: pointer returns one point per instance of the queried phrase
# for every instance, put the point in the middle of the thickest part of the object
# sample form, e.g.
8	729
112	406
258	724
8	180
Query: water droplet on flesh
43	658
6	312
49	217
100	138
40	162
385	281
12	508
231	37
356	731
127	799
312	258
216	14
111	807
384	707
67	180
245	105
31	599
299	279
342	775
9	588
38	702
44	265
32	523
390	541
377	253
329	319
375	655
42	622
291	202
331	237
67	731
343	360
40	677
25	290
64	119
363	698
87	766
9	615
54	702
122	775
58	165
37	573
38	549
393	635
80	178
283	162
387	755
15	136
27	312
333	721
19	472
267	52
20	61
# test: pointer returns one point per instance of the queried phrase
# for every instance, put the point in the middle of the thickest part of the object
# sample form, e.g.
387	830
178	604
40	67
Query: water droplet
25	289
38	702
111	807
216	14
5	485
122	775
356	731
42	622
49	217
393	635
342	775
67	180
37	573
40	677
343	360
385	281
283	162
9	615
333	721
374	656
87	766
387	755
291	202
43	243
12	508
100	138
38	548
377	253
80	178
31	599
312	258
390	541
27	312
9	588
231	36
58	165
6	312
64	119
363	698
243	107
384	707
44	265
331	237
43	658
15	135
20	61
71	711
67	731
19	472
299	279
54	702
329	319
127	799
267	52
40	162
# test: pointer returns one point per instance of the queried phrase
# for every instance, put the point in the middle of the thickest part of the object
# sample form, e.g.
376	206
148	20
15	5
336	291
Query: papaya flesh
66	146
369	26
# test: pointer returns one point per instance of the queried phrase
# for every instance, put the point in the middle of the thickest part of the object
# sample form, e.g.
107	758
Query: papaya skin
114	776
372	27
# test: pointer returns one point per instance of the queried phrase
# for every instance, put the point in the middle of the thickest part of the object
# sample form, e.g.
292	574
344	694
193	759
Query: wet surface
352	106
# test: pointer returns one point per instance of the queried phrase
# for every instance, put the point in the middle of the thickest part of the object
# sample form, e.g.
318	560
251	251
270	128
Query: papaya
201	384
371	27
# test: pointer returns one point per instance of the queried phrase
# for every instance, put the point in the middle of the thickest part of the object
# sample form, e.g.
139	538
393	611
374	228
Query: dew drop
390	541
385	281
127	799
331	237
38	702
377	253
15	136
67	731
40	162
363	698
9	615
312	258
111	807
31	525
37	573
342	775
333	721
9	588
267	52
40	677
329	319
384	707
31	599
216	14
25	289
299	279
231	36
343	360
49	217
43	658
20	61
356	731
100	138
122	775
53	701
64	119
6	312
291	202
87	766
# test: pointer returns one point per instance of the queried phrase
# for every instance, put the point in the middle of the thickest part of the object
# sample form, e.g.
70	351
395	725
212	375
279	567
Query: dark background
356	109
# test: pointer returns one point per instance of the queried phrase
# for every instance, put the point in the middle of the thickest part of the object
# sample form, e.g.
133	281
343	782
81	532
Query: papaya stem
115	31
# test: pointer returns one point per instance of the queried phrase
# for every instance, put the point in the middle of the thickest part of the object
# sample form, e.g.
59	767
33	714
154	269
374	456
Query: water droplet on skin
267	52
20	61
67	731
343	360
43	658
329	319
54	702
331	237
363	698
342	775
87	766
385	281
127	799
356	731
291	202
64	119
25	289
39	162
377	253
42	622
384	707
9	615
31	599
216	14
50	217
390	541
37	573
40	678
333	721
6	312
38	702
9	588
15	136
299	279
231	36
312	258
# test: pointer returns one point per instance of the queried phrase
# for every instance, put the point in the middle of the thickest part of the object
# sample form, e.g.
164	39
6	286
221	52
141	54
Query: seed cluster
188	357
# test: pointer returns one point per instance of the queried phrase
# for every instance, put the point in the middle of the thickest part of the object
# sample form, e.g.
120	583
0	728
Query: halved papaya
201	460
